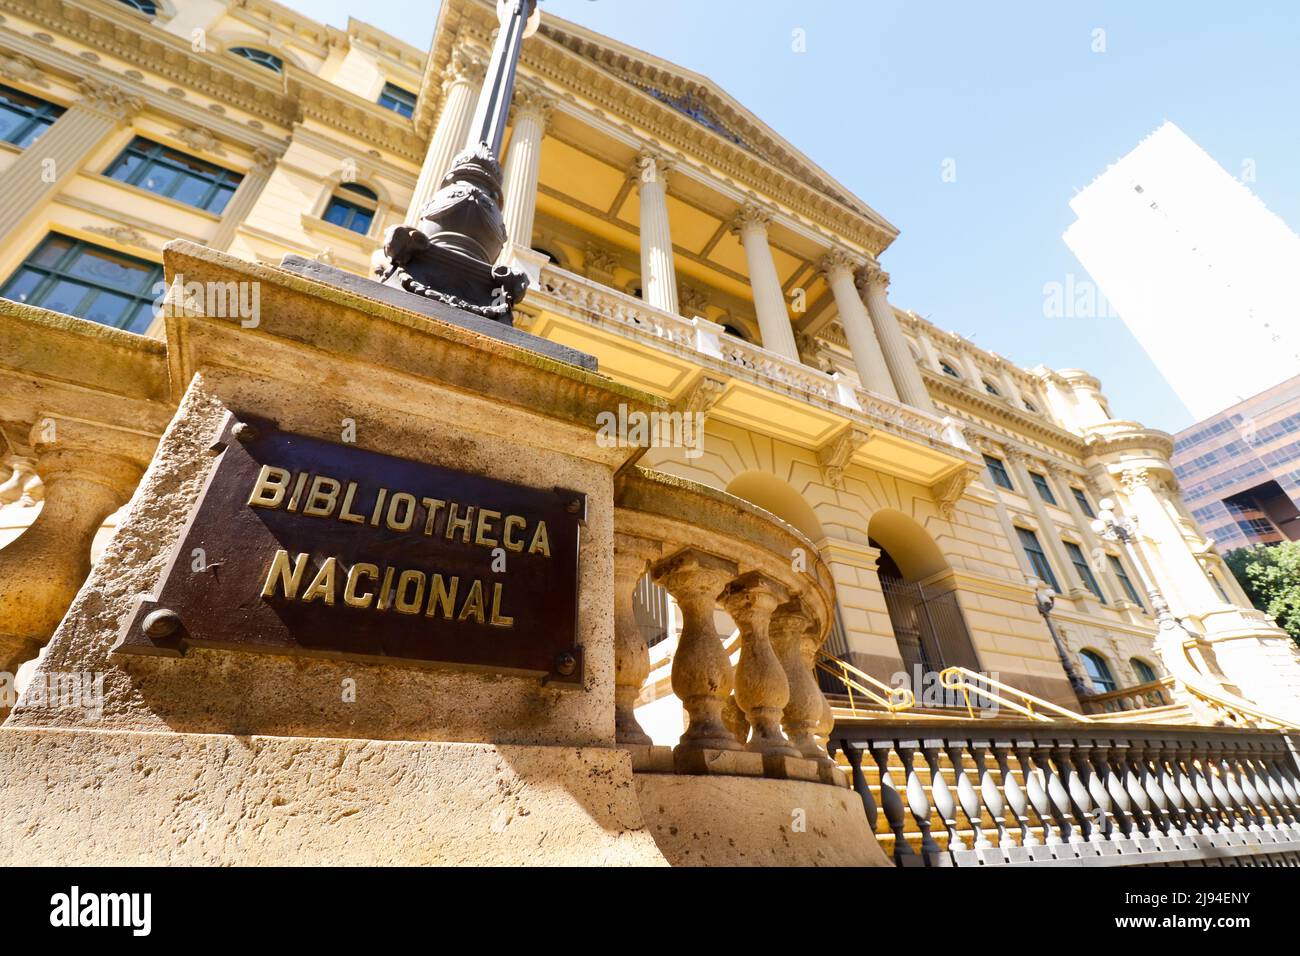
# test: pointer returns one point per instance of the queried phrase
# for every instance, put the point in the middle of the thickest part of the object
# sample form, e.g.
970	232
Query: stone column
873	282
532	109
463	79
245	198
837	267
769	301
89	471
658	272
1047	531
62	150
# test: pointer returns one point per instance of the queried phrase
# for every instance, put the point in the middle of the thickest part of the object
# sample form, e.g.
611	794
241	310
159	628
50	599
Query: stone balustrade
766	715
81	410
708	345
1156	693
993	793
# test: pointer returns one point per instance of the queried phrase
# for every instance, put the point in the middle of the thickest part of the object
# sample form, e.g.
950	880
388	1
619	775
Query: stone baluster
1284	794
1059	800
1154	775
1078	799
919	804
762	690
1228	810
1270	793
941	793
1109	759
1092	775
1180	789
23	483
631	656
88	471
854	756
1212	824
1139	800
892	802
1036	788
1242	789
701	677
790	629
969	799
1018	804
1199	820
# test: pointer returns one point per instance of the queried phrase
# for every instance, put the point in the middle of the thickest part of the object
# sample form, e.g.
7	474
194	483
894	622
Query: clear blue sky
887	90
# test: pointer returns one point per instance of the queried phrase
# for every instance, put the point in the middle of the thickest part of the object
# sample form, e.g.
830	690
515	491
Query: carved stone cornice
125	235
200	139
947	492
981	403
835	456
701	395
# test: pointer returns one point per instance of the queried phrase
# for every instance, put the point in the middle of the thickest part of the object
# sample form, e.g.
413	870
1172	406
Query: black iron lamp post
1045	597
451	256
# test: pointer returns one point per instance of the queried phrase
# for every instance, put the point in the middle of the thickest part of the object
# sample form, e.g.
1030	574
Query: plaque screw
163	622
566	664
573	507
244	432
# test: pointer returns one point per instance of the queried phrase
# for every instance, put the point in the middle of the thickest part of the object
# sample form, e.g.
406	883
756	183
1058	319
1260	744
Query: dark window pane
51	251
109	308
65	296
192	190
222	197
21	286
361	221
141	318
337	212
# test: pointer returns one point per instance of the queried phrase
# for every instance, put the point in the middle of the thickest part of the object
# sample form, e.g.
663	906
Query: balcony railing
1006	793
707	344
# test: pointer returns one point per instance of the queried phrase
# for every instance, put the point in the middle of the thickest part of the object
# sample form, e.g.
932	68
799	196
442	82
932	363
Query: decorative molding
200	139
835	456
701	395
20	69
108	98
837	260
532	98
751	216
947	492
124	235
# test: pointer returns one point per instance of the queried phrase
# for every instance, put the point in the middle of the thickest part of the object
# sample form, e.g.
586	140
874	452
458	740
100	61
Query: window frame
1139	665
1038	559
157	156
997	469
263	59
385	92
1083	569
1105	676
1081	499
1121	574
355	204
43	115
59	270
1043	487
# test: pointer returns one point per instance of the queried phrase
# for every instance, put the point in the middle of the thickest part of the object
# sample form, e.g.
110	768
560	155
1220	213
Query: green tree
1270	573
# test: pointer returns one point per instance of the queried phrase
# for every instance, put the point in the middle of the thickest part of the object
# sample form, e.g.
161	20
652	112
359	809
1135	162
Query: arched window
1144	671
991	389
1098	671
1031	407
260	57
947	369
732	330
147	7
352	207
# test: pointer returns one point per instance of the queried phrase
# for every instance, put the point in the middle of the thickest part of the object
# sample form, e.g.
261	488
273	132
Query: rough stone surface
105	798
743	821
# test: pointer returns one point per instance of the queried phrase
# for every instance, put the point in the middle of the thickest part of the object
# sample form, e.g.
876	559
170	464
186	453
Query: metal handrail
1025	704
875	690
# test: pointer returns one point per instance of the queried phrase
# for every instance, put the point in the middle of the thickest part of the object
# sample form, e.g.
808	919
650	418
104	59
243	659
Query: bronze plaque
304	546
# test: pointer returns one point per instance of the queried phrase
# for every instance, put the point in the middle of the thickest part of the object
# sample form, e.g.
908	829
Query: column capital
1134	478
466	65
532	99
871	275
649	167
109	99
751	216
837	262
264	160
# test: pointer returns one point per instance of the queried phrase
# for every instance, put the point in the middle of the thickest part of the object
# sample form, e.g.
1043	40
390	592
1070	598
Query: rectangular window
1084	504
23	117
398	100
169	173
1037	559
998	472
1044	489
1117	566
89	282
1085	571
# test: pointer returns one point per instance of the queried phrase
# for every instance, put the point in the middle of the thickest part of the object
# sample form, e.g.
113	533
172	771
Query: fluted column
532	109
88	471
874	284
244	199
702	677
1185	580
62	149
864	346
762	690
463	78
769	300
658	272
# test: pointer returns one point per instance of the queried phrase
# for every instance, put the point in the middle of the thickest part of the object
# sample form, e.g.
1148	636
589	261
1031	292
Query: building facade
1187	255
671	234
1240	469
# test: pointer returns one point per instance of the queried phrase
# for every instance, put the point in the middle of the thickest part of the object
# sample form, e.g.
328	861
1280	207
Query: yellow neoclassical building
692	251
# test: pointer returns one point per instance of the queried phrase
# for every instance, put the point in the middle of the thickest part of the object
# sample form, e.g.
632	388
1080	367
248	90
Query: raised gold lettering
498	619
404	503
459	525
408	603
379	507
269	488
385	598
432	506
297	490
323	497
322	586
473	606
481	529
541	541
442	597
280	575
355	573
513	523
346	513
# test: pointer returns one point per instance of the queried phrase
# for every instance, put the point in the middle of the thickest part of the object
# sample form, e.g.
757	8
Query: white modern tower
1198	268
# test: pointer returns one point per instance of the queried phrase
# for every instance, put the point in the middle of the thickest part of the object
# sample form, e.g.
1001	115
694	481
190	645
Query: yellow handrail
882	694
1027	705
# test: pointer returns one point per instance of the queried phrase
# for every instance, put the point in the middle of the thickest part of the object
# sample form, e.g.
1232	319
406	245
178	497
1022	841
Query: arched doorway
926	617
